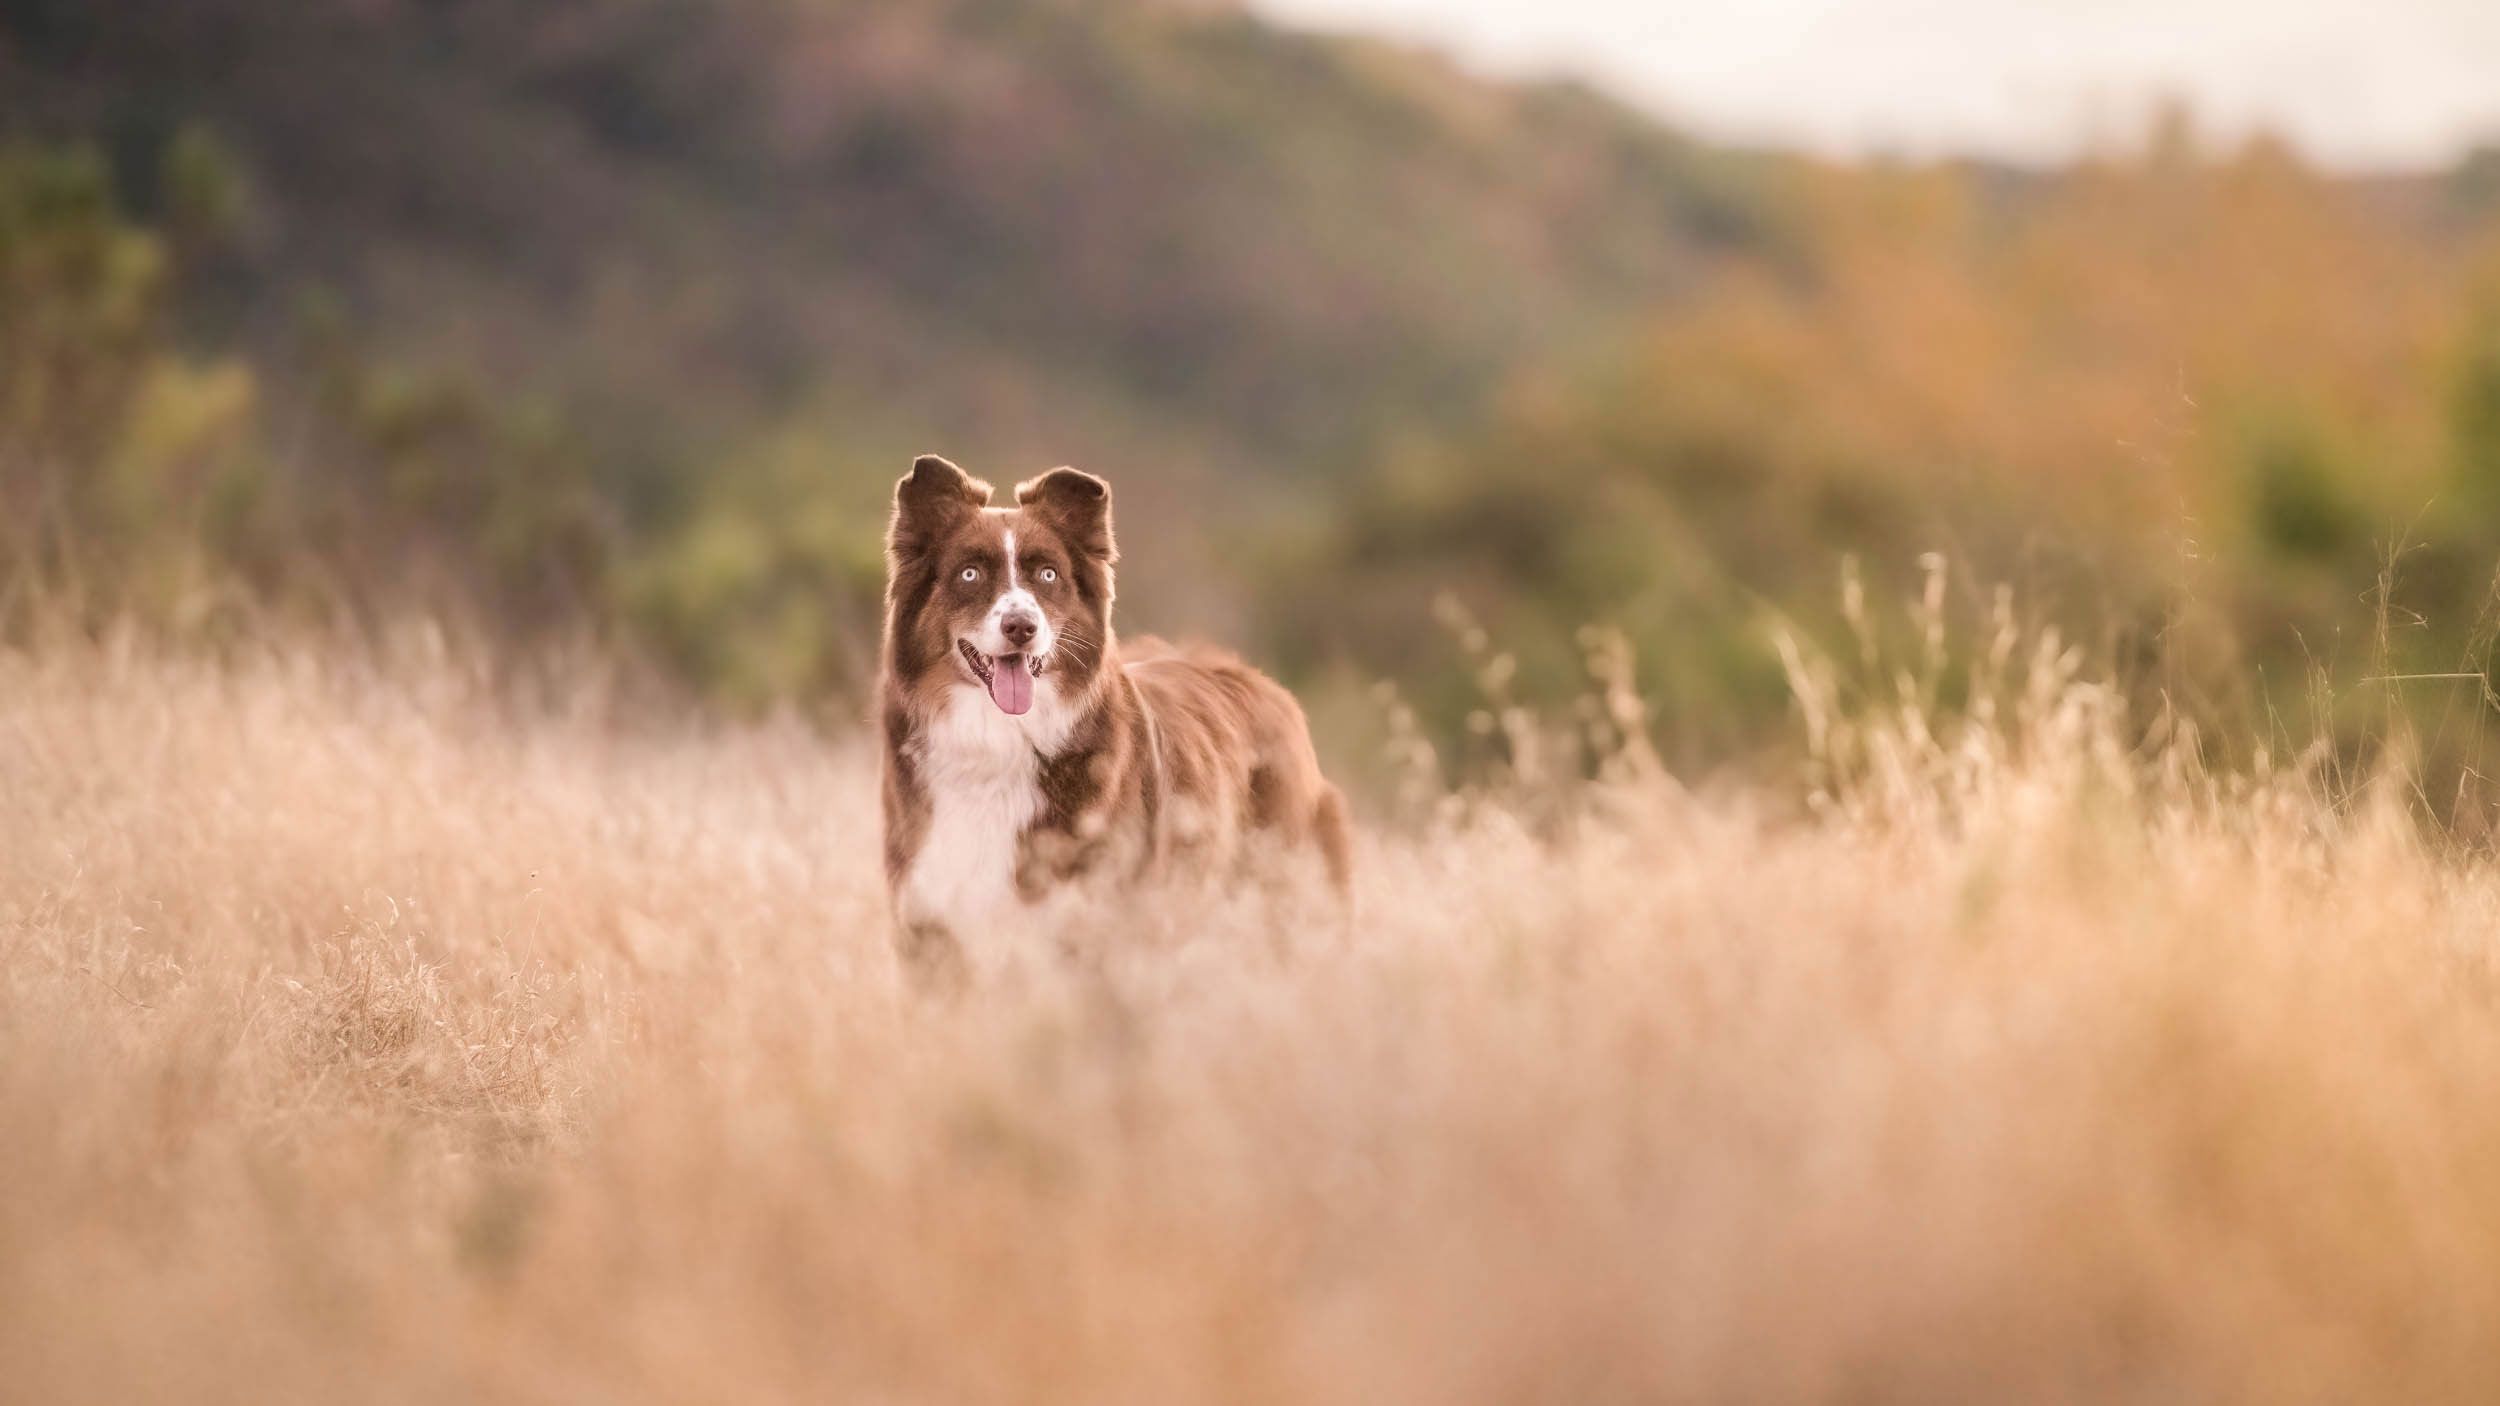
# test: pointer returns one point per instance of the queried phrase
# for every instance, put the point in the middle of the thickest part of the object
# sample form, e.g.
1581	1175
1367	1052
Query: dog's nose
1018	629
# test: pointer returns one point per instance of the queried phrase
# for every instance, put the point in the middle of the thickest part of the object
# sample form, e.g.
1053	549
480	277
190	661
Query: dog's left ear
1078	504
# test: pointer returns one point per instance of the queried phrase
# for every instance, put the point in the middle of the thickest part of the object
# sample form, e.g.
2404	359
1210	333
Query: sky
2355	83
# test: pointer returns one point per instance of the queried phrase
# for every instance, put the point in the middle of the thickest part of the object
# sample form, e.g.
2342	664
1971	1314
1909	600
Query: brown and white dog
1027	753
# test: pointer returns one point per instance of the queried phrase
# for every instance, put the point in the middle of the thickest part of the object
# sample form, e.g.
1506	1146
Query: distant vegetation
621	316
705	274
2233	421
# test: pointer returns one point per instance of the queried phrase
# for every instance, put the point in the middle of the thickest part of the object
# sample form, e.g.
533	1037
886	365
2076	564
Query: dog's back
1234	753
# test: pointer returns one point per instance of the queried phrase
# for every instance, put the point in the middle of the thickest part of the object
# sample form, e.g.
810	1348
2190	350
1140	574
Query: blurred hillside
2230	422
626	313
679	283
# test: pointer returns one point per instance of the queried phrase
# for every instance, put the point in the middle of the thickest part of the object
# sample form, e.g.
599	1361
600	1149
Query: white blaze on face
991	638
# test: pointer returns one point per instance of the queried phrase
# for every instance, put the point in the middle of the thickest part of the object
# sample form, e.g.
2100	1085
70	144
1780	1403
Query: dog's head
1004	599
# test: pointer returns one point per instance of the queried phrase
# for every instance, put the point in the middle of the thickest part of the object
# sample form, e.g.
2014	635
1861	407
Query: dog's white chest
982	772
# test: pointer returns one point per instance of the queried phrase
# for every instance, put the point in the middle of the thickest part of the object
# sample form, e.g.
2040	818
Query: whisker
1086	650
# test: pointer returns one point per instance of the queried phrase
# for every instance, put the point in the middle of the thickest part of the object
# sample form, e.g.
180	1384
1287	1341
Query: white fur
981	768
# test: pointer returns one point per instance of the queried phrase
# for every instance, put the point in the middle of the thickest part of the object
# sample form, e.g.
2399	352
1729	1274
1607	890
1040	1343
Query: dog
1029	754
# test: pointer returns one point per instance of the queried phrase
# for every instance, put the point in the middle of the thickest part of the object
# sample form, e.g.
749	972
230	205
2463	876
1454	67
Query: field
372	1028
2093	1001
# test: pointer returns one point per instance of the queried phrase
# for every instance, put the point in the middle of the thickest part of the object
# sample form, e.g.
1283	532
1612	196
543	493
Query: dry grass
364	1038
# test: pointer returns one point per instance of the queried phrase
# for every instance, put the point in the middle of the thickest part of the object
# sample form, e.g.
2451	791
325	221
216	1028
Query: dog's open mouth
1009	677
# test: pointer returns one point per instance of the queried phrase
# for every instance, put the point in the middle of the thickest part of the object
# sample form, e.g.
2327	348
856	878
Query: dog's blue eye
972	573
1049	574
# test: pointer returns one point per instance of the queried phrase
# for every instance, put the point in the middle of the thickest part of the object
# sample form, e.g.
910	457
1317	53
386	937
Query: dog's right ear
933	497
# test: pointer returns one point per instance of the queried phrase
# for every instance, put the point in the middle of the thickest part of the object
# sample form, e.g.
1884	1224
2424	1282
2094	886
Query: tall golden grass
369	1033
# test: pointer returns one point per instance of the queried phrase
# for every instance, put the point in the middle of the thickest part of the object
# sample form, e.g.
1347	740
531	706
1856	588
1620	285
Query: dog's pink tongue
1011	684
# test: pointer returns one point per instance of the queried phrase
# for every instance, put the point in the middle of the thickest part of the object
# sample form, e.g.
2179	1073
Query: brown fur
1152	761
